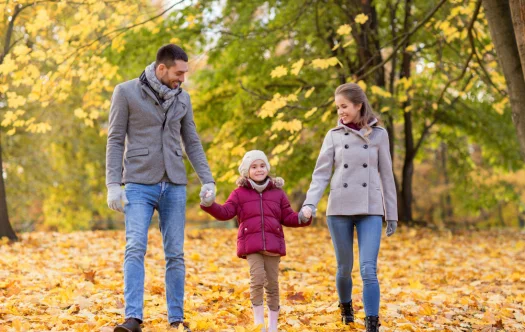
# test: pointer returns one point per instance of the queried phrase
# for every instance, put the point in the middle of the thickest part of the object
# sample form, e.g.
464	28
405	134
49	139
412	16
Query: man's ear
161	67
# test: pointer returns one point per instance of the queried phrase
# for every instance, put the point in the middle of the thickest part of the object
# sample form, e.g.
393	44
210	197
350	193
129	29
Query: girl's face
258	171
346	110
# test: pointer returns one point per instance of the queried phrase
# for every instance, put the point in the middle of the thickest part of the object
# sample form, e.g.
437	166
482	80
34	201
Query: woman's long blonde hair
356	95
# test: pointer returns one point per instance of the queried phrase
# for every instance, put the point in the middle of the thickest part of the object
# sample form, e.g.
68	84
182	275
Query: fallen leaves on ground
429	282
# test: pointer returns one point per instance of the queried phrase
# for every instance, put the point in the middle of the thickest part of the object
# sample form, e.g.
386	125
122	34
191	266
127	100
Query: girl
362	192
261	207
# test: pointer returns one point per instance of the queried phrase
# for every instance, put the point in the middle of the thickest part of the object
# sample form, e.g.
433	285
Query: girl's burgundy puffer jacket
260	217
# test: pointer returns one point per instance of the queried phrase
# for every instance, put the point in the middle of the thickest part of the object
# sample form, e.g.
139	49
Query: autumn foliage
429	282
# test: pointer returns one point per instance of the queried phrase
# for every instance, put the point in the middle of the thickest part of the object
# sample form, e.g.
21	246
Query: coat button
246	229
346	134
346	165
345	185
156	104
365	146
364	184
346	146
365	165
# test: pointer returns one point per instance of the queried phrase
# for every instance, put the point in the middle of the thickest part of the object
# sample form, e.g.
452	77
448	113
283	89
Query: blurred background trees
263	75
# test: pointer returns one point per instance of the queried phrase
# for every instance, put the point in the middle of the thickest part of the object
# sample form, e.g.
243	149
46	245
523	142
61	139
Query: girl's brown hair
356	95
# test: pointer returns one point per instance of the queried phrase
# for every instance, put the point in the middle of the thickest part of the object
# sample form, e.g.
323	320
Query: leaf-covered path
429	282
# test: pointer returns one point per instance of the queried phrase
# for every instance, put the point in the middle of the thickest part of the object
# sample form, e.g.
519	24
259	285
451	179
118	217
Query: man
148	118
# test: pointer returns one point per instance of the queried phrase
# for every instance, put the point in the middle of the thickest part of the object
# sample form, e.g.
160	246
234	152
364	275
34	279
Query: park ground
430	281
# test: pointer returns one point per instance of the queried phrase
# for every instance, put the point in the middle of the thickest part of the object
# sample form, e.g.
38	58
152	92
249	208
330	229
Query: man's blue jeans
170	202
369	239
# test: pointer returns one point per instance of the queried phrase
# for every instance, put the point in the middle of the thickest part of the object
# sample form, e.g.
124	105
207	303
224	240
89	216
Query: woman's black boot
347	312
372	323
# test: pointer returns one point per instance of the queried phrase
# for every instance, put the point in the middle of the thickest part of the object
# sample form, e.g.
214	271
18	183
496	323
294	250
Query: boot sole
123	329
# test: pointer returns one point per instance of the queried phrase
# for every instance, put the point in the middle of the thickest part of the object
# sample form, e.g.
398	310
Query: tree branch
405	38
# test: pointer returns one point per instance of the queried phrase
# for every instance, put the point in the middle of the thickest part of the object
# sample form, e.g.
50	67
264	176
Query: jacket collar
150	91
360	133
274	183
270	185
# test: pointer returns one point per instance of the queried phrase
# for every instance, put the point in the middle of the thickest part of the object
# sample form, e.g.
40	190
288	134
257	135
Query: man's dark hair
170	53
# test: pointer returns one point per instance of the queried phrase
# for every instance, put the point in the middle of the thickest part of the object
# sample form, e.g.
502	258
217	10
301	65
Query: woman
362	192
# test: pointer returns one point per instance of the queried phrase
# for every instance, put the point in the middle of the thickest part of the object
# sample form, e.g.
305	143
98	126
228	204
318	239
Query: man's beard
169	85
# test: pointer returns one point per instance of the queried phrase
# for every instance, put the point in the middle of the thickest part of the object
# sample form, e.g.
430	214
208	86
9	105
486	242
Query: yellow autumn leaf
324	63
279	71
410	48
79	113
344	29
14	100
269	108
348	43
309	92
296	67
8	66
361	18
280	148
376	90
362	84
310	112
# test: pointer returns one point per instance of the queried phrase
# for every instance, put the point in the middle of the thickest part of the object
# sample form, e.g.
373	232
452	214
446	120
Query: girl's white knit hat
249	158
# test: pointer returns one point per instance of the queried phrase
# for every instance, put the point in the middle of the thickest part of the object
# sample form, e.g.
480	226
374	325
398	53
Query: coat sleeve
193	146
290	218
117	129
387	178
322	172
226	211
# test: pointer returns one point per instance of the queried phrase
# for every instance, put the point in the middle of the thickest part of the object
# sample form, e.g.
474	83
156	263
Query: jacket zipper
262	223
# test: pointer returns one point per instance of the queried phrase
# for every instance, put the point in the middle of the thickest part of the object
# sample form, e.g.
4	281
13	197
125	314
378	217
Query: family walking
151	117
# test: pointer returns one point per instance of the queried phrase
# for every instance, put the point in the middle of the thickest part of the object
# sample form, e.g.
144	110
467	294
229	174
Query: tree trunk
5	225
448	213
517	11
408	167
504	36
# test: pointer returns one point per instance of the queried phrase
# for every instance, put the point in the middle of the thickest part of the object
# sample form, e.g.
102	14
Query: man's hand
116	197
208	199
207	187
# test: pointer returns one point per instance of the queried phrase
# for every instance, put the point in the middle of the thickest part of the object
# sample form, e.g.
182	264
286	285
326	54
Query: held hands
306	213
116	196
207	194
391	226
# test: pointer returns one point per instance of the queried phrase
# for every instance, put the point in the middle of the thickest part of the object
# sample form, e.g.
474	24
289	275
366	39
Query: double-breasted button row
365	165
346	185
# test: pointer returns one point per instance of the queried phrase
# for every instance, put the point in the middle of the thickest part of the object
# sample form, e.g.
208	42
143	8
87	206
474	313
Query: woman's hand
306	213
391	226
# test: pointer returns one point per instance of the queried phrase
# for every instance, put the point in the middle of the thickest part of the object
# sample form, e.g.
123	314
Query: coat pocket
137	152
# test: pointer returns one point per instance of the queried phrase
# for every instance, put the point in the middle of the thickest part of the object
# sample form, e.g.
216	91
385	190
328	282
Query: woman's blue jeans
369	228
170	201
